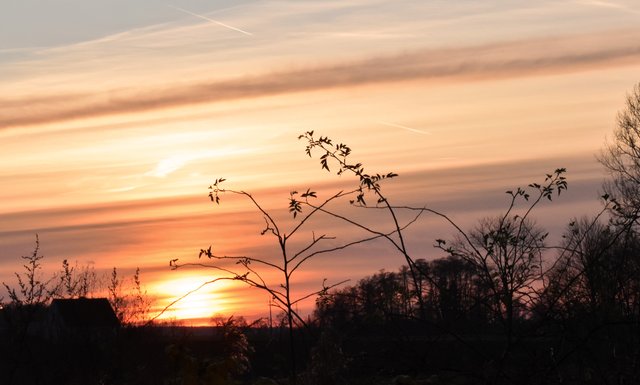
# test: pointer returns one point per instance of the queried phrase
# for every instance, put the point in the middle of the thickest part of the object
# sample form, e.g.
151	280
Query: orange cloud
498	60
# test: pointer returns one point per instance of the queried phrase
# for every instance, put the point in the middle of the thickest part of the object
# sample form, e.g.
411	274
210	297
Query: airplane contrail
211	20
405	127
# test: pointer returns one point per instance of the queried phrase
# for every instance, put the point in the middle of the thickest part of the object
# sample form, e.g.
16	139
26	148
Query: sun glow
199	305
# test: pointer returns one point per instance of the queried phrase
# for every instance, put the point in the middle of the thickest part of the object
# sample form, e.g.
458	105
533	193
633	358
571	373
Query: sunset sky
115	117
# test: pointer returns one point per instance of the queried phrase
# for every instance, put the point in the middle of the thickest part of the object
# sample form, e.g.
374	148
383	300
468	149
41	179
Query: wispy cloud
606	4
609	4
169	165
174	163
124	189
499	60
405	128
359	35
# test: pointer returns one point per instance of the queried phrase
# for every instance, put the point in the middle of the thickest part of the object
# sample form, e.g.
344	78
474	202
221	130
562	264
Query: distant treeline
580	326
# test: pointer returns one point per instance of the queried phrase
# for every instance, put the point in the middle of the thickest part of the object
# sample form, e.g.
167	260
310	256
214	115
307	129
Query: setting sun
198	307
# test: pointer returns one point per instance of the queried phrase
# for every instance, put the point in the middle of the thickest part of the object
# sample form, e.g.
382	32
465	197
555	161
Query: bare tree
75	281
597	271
304	207
508	253
621	158
32	288
129	299
291	259
117	297
368	183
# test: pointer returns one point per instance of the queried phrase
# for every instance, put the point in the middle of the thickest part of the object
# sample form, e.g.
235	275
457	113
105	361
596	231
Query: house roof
85	312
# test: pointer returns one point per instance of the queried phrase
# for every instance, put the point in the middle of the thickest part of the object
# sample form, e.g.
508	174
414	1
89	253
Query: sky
115	117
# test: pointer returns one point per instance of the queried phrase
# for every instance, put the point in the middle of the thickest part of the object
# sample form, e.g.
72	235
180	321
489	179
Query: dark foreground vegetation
369	333
499	306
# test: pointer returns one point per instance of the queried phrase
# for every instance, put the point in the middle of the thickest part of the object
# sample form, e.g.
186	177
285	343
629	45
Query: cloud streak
608	4
405	128
500	60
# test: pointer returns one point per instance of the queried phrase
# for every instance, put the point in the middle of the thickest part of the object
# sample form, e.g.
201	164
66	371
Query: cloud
459	188
174	163
499	60
411	129
608	4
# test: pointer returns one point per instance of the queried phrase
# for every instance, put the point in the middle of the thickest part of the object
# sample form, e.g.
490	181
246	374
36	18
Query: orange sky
111	129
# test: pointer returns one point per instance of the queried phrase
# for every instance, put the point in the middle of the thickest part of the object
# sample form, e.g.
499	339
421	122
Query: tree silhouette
338	154
621	158
291	259
598	269
33	289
